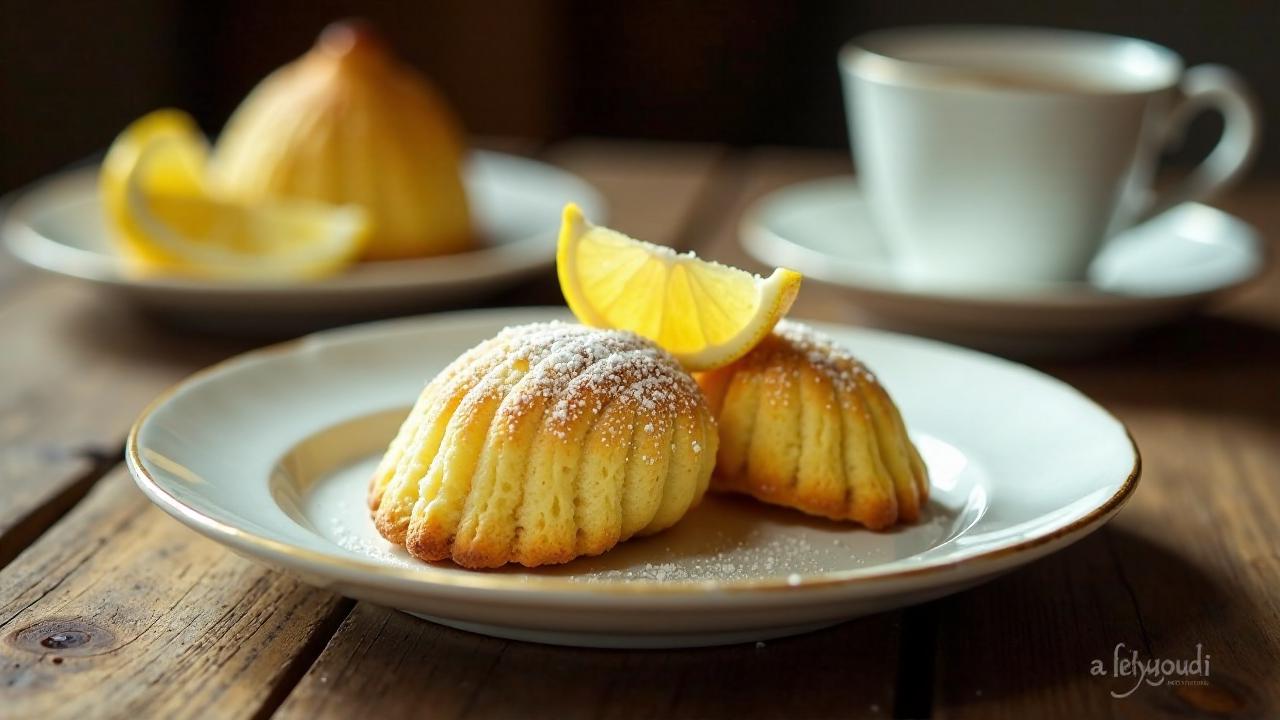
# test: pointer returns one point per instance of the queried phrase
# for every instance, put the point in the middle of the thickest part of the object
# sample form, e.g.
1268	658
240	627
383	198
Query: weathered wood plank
78	372
382	663
1022	645
119	611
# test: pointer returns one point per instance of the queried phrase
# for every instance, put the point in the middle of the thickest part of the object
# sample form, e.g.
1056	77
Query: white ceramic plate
1149	275
58	225
269	454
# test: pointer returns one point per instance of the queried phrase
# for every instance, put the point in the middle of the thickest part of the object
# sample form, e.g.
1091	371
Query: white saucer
1149	275
58	225
269	453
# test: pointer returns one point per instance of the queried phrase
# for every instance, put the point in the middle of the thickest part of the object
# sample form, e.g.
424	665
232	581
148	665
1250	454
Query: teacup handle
1212	87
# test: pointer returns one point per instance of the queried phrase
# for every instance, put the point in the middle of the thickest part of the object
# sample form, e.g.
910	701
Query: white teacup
996	156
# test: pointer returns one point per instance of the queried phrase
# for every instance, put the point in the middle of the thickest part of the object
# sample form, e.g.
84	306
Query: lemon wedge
704	313
178	173
153	188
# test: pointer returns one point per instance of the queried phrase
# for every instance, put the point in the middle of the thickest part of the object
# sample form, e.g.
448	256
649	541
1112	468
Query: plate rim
428	576
763	244
33	248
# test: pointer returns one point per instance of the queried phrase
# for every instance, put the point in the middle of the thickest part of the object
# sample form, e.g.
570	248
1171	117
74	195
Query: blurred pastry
804	425
543	444
347	123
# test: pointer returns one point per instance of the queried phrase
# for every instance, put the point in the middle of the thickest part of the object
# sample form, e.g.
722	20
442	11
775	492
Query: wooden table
110	608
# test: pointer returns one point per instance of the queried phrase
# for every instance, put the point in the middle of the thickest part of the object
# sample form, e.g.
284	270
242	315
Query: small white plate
1151	274
269	453
58	225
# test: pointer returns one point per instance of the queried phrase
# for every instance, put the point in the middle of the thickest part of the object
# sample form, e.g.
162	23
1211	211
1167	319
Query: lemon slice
704	313
203	236
178	172
154	191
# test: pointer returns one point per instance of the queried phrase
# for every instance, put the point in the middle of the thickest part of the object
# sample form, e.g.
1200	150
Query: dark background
72	74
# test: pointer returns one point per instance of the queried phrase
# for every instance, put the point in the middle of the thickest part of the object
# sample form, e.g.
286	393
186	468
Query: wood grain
78	373
119	611
367	667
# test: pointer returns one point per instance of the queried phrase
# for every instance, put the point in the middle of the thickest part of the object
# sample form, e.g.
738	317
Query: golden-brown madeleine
348	123
543	444
803	424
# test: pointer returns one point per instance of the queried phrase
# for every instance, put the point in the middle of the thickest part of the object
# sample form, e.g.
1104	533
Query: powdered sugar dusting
754	556
576	370
824	354
362	541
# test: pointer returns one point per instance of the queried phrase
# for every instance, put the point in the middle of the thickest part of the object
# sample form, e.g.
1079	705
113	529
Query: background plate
58	225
